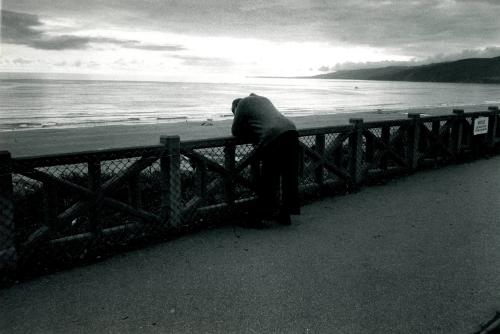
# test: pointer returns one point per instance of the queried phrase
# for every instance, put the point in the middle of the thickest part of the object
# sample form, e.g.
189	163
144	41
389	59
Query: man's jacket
257	120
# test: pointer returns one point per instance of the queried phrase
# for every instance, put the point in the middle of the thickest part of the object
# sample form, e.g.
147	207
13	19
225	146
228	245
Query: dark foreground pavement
418	255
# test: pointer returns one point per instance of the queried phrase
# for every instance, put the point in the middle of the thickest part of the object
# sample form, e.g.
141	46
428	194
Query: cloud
60	43
151	47
120	62
488	52
77	63
204	61
417	28
17	26
414	27
132	44
93	64
371	64
21	61
27	29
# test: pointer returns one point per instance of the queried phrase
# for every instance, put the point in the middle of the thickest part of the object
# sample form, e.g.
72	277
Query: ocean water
32	103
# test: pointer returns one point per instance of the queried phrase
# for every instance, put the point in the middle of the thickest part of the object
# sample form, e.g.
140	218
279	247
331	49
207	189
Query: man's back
256	119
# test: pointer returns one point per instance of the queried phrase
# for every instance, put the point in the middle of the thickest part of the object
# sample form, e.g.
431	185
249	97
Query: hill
472	70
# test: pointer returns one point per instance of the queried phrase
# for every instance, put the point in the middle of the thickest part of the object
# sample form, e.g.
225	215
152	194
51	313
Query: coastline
24	143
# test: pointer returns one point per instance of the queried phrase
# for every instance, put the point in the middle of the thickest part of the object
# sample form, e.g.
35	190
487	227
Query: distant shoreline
470	70
39	142
464	71
319	77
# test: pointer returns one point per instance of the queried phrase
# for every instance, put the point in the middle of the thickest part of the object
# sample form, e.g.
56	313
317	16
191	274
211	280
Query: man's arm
238	127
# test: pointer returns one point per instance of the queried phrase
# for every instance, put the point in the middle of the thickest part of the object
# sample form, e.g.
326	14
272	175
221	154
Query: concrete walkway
420	254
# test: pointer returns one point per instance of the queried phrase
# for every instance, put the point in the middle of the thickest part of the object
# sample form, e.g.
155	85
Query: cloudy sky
175	39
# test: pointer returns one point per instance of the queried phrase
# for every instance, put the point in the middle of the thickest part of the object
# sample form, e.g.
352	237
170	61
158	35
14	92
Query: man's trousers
280	164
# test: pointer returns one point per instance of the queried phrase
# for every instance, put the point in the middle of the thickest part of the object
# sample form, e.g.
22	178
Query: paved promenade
420	254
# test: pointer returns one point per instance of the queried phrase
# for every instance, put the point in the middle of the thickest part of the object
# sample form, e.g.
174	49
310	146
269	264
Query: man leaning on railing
257	120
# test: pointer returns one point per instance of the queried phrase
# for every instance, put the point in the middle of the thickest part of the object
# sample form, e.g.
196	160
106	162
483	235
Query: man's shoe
257	224
284	219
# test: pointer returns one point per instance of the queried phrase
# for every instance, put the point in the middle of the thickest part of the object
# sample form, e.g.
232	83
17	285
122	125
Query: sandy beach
23	143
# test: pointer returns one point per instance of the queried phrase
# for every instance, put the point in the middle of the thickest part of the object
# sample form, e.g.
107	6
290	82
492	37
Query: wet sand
39	142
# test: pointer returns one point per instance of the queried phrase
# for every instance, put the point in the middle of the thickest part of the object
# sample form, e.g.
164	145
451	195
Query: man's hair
235	105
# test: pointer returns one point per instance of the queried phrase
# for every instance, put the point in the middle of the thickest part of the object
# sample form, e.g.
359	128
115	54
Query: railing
80	205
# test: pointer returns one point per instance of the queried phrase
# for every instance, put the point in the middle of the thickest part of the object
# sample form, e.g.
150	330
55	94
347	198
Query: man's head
235	105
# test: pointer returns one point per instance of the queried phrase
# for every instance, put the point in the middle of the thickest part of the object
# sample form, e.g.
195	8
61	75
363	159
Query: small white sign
480	125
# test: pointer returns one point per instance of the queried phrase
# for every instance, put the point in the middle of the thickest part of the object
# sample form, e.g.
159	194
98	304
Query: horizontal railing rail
77	205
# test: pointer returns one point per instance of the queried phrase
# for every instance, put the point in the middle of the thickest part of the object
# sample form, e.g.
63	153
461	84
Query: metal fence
67	208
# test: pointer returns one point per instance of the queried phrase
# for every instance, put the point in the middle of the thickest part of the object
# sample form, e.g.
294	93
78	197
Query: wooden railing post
134	191
356	152
229	164
386	139
370	150
338	157
170	183
255	171
458	131
413	140
492	127
94	181
320	149
8	252
436	127
200	178
49	200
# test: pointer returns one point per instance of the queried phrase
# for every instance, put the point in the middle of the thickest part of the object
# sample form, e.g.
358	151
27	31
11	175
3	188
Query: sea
40	103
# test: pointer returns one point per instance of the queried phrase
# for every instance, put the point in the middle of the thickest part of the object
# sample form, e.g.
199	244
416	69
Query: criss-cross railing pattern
324	162
387	147
80	204
80	196
219	175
